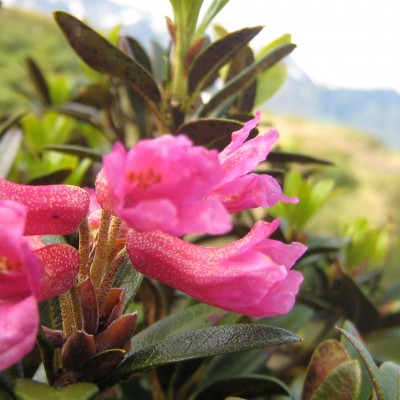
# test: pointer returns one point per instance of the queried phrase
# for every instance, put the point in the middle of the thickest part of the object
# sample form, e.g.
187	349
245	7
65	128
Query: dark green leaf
80	111
8	123
80	151
128	279
101	55
209	61
376	378
26	389
39	81
135	50
285	157
246	386
355	304
195	317
246	77
51	178
203	342
212	132
242	60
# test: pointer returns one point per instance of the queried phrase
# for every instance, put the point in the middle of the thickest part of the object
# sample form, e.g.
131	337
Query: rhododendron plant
27	276
251	276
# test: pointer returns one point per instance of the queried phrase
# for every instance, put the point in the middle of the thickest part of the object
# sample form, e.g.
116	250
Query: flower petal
239	277
19	323
52	209
60	267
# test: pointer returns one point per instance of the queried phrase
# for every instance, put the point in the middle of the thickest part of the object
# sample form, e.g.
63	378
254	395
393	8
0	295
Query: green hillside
24	35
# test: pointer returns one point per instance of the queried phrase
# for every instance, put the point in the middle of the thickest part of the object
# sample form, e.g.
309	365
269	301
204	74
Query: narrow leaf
214	8
135	50
204	342
207	63
38	80
285	157
212	132
373	371
104	57
195	317
9	146
8	123
80	151
246	77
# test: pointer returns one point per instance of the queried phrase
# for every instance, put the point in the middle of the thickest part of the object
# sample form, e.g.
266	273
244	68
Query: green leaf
212	132
214	8
246	386
129	279
269	82
343	383
9	146
26	389
355	304
38	80
326	359
208	62
101	55
80	151
390	373
203	342
376	378
195	317
366	384
8	123
246	77
285	157
312	196
50	178
135	50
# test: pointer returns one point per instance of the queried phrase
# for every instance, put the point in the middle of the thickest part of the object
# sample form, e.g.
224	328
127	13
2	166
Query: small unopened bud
77	349
56	337
114	306
118	334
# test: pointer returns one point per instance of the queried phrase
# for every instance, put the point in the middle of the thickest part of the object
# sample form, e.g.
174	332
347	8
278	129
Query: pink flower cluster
30	271
162	189
167	187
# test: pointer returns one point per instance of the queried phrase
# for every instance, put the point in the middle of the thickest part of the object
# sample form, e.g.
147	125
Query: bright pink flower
52	209
251	276
239	190
161	184
26	277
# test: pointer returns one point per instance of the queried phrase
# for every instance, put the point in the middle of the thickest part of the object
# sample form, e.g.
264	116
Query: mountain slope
377	112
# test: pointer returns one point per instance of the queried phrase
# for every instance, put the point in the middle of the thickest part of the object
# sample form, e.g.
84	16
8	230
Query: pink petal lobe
52	209
19	323
241	277
60	267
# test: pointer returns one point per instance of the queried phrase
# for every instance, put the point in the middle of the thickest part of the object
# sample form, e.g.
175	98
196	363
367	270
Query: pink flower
161	184
251	276
240	190
52	209
26	277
